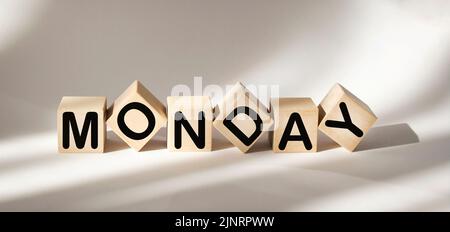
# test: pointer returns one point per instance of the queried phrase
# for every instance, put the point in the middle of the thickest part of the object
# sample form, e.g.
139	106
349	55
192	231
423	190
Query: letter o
126	130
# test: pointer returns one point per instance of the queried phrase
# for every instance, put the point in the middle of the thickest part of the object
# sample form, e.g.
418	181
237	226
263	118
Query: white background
394	55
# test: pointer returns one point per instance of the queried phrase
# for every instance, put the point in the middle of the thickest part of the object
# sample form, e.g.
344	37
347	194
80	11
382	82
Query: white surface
392	54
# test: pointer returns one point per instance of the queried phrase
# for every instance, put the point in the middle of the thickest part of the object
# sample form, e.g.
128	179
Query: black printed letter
295	118
127	131
69	120
236	131
347	123
180	121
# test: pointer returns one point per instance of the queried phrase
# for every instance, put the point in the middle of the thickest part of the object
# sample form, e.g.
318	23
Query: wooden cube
81	124
241	117
136	115
189	125
295	128
345	118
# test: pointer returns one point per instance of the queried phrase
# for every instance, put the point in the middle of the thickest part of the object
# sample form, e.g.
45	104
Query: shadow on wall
432	94
292	188
388	136
288	187
100	47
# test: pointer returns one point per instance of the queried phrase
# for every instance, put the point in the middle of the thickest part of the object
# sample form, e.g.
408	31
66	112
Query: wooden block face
295	128
136	116
189	125
241	117
81	125
345	118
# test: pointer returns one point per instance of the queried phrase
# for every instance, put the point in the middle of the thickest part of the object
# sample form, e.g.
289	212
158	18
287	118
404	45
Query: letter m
69	122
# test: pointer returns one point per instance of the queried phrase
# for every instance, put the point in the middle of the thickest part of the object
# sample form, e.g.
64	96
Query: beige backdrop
392	54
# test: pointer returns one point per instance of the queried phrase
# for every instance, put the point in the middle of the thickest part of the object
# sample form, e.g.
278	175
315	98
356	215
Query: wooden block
136	115
295	128
189	125
345	118
81	124
241	117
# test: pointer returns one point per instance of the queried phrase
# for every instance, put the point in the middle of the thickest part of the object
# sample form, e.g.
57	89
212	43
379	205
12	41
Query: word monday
136	115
